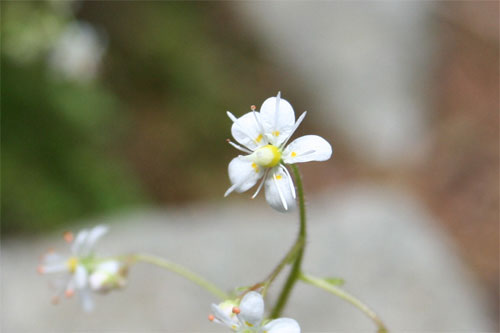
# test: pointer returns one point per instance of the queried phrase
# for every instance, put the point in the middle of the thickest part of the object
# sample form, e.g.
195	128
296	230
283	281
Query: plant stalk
301	238
182	271
320	283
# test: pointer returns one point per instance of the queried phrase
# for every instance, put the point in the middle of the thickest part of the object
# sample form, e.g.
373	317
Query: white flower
78	52
248	317
108	275
74	269
263	136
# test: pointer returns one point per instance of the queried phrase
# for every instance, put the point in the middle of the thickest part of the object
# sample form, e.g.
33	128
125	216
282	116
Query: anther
253	107
68	236
39	269
236	310
211	317
55	300
69	292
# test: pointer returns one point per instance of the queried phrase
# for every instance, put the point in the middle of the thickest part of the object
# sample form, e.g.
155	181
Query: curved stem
291	255
320	283
180	270
295	270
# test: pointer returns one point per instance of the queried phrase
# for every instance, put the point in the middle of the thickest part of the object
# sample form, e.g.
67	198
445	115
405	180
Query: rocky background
114	113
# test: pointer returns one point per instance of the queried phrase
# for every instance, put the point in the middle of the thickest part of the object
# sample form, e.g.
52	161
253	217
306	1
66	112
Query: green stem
291	255
182	271
295	270
320	283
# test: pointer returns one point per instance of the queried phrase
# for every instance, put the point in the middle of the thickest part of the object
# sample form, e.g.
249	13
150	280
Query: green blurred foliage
150	129
54	165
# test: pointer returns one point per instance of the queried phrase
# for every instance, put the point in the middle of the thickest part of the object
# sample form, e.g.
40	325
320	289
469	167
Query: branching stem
301	238
320	283
180	270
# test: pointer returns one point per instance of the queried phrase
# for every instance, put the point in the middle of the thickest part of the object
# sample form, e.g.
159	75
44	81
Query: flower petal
86	299
247	131
307	148
94	235
79	242
81	277
278	191
278	119
282	325
54	267
224	317
110	267
252	308
243	174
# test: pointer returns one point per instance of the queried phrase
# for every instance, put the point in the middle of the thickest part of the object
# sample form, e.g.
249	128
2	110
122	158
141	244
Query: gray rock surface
379	239
367	66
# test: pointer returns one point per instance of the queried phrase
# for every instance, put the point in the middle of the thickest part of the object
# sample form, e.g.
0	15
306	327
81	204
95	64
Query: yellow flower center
267	156
72	263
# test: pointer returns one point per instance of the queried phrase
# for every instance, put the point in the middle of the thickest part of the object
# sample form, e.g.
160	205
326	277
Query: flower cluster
263	137
248	316
82	271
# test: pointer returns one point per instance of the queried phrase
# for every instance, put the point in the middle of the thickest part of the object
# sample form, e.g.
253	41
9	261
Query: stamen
253	107
231	116
236	310
243	149
308	152
234	119
282	198
69	293
278	98
297	123
258	123
40	269
290	182
260	185
55	300
211	317
68	236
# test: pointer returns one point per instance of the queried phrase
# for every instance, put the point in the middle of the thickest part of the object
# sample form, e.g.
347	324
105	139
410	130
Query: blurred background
114	112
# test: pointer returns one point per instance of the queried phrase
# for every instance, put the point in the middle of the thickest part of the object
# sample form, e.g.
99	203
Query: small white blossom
108	275
263	136
78	52
74	270
249	315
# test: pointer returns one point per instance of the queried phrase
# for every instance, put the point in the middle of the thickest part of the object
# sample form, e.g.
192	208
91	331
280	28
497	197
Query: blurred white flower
77	53
108	275
74	270
263	136
248	317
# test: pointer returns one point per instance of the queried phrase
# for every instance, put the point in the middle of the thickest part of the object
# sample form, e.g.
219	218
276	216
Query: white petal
224	317
94	235
278	119
52	258
252	308
81	277
110	267
278	191
282	325
86	299
243	174
247	132
307	148
97	280
55	267
79	242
